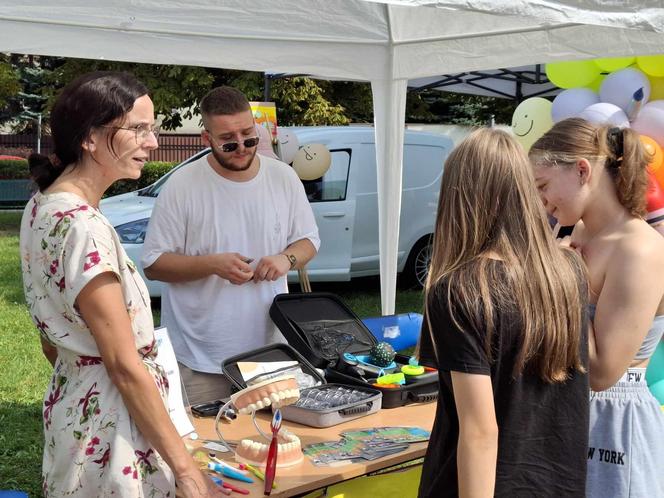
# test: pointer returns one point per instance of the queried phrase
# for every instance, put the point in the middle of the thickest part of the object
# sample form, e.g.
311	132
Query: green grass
25	373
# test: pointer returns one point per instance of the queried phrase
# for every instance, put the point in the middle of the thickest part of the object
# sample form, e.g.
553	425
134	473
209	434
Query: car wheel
417	266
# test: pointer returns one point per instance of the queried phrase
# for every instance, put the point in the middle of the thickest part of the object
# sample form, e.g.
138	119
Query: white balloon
312	161
650	121
288	144
605	113
569	103
657	103
618	87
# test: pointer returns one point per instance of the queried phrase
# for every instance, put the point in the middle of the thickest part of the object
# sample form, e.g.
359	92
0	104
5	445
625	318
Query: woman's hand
195	484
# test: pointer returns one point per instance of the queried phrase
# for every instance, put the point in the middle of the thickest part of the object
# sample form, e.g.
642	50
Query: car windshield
154	189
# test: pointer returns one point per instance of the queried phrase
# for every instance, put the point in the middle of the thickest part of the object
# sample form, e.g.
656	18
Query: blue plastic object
400	331
13	494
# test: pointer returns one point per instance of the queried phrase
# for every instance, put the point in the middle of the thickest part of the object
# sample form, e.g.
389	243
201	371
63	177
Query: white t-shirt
200	212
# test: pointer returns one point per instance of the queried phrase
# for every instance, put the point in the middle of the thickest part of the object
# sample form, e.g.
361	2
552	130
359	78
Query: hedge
12	169
152	171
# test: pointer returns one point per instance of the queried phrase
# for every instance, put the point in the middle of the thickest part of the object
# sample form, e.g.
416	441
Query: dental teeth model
278	392
255	453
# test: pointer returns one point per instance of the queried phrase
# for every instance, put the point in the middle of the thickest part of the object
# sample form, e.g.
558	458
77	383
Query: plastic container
323	409
401	331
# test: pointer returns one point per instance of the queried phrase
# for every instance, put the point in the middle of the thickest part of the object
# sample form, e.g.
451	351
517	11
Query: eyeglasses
142	132
232	146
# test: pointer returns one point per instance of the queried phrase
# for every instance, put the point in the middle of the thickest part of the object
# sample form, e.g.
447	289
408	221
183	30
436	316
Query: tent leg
389	102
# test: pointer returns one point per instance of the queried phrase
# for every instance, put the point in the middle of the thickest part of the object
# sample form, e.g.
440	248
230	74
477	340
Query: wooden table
305	477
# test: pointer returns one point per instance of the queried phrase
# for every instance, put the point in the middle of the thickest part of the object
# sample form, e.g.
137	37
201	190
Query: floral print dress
92	446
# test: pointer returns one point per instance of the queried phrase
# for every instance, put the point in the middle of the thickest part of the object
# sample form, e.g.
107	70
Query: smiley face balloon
312	161
287	144
531	120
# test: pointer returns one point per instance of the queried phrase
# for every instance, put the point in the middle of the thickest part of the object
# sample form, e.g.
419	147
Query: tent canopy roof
354	39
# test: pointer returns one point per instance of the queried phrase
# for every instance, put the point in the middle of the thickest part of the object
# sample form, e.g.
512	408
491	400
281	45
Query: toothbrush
271	464
228	471
224	464
220	483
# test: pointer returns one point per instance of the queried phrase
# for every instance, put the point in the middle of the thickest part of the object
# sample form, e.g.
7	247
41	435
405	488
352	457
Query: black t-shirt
543	428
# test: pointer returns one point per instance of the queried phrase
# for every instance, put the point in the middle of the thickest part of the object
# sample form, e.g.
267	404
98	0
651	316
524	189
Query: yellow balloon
531	120
611	64
597	83
652	65
572	74
656	88
312	161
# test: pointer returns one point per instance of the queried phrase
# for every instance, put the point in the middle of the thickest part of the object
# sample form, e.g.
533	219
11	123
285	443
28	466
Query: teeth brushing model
277	392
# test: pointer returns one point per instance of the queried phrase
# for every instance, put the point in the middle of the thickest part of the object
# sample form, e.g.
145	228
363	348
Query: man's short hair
223	101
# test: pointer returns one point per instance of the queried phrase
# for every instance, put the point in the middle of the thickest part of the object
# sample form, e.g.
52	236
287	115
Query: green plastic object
412	370
657	391
382	354
655	371
395	378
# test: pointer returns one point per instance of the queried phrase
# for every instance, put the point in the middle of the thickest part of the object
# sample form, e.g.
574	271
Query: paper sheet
166	358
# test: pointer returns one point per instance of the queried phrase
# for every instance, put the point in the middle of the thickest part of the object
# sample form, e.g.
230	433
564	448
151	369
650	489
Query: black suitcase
322	328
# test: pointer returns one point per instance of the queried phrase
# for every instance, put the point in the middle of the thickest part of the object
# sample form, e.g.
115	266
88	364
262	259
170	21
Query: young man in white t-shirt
224	232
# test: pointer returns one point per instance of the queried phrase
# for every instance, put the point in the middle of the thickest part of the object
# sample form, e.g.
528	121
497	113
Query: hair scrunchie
615	139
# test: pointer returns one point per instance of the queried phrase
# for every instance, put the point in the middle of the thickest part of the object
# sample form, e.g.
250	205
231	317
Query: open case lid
320	325
272	352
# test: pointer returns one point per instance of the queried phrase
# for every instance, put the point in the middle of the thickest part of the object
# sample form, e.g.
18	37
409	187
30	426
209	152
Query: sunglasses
232	146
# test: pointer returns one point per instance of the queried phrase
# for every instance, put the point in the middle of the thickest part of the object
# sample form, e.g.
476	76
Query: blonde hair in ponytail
625	157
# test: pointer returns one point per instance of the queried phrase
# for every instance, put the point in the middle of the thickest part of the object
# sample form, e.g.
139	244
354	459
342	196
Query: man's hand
233	267
271	267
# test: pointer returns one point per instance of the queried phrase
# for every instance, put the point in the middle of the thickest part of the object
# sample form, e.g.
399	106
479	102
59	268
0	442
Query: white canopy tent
386	42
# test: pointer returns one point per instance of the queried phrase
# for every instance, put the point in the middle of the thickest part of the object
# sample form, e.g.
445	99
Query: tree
29	85
473	110
175	90
9	82
26	101
355	97
299	100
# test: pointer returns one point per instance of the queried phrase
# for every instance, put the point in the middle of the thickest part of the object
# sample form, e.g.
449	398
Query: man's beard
230	166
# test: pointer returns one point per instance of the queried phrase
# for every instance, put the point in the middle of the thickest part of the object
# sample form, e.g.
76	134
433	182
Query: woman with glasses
106	426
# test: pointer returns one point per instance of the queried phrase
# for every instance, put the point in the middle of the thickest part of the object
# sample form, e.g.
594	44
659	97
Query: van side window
332	185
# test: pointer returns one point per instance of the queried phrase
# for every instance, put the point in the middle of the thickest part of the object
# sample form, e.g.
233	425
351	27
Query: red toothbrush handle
237	489
271	465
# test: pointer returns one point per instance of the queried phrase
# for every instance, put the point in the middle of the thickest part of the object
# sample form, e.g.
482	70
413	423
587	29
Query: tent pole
389	102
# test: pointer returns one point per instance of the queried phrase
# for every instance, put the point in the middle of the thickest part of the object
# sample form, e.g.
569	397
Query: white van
344	202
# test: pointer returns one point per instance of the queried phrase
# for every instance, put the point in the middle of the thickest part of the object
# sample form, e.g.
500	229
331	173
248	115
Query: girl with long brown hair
505	314
594	177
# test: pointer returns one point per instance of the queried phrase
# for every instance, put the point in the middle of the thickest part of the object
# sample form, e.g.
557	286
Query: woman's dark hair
92	100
